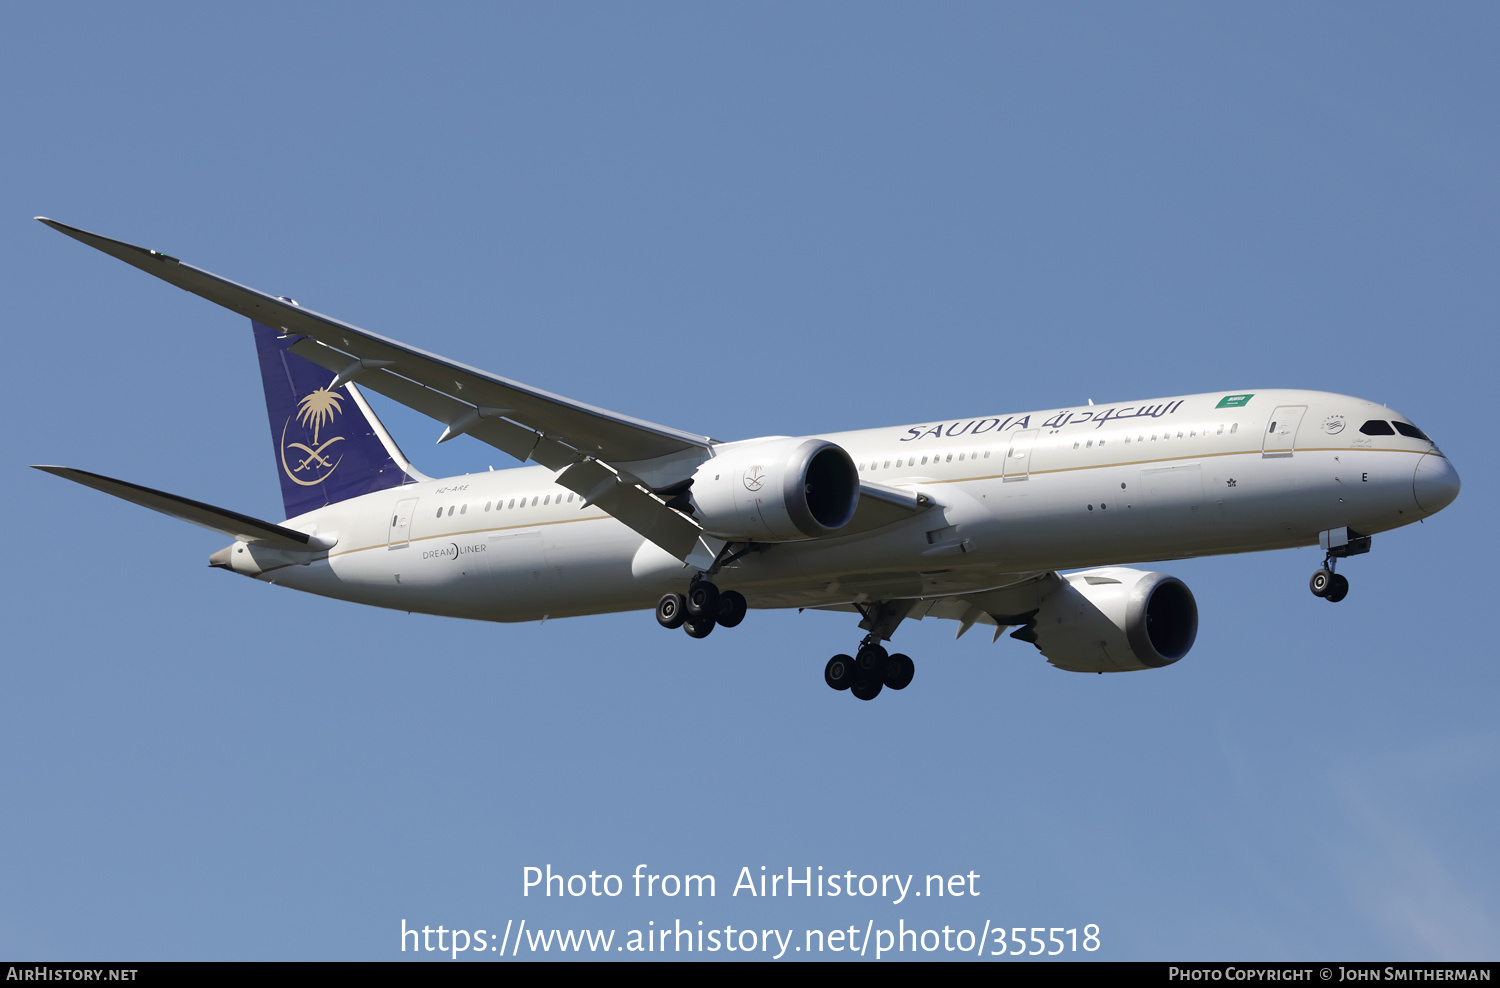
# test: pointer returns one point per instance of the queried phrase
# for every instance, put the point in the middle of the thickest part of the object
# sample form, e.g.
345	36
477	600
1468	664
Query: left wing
1013	605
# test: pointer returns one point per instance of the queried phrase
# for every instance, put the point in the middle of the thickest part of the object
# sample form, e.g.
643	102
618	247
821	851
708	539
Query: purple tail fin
329	444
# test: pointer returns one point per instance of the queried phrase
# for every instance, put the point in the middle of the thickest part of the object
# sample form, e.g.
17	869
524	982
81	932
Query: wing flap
633	505
507	437
231	523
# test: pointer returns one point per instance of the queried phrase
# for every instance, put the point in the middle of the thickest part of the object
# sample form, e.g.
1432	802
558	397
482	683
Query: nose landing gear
1339	543
1329	585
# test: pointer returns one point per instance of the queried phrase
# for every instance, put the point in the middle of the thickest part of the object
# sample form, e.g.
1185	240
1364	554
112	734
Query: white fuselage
1015	494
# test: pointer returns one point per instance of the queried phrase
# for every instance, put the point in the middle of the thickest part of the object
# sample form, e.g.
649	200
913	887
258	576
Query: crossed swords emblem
313	454
314	410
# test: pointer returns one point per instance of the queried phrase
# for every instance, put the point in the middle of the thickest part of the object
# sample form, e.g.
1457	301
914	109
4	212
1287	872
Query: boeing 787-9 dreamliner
969	519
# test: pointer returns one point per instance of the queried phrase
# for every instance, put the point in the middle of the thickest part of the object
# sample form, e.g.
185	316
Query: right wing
537	415
595	450
612	460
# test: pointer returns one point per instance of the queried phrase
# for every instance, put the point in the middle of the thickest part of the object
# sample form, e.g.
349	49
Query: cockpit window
1410	431
1377	427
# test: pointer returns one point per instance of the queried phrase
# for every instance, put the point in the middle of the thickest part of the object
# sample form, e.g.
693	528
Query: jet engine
775	490
1115	620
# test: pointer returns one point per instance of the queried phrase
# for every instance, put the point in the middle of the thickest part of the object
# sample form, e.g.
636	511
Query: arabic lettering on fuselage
1095	416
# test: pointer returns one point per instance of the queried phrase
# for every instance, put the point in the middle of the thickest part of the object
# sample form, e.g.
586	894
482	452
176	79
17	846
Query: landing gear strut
700	609
1339	543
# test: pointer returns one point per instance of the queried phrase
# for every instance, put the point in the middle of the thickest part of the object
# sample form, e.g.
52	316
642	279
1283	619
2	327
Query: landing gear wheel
1338	589
698	627
731	610
1322	582
703	600
671	610
839	672
869	667
899	669
865	692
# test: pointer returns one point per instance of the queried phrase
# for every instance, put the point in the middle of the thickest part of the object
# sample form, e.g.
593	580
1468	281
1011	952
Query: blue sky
741	220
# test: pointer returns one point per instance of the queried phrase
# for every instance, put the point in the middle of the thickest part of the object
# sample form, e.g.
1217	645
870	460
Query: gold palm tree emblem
317	410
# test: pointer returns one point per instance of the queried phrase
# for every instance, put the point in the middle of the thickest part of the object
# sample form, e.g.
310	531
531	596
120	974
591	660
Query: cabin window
1220	432
512	503
1377	427
440	512
487	505
570	499
887	463
450	510
464	510
986	454
1075	445
1234	428
1410	431
960	457
523	502
533	502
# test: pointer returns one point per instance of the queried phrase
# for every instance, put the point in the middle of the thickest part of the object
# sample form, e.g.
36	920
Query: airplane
970	519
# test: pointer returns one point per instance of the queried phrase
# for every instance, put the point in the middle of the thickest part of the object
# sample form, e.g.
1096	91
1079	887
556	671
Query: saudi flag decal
1234	401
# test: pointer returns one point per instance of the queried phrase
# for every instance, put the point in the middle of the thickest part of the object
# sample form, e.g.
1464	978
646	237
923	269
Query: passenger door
1281	432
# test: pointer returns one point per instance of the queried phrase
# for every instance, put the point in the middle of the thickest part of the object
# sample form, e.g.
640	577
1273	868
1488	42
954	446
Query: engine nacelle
776	490
1116	620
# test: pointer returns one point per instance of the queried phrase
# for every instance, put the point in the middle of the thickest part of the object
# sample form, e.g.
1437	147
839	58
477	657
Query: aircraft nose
1435	483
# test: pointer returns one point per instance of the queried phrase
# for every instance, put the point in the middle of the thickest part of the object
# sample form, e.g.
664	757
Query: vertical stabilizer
329	445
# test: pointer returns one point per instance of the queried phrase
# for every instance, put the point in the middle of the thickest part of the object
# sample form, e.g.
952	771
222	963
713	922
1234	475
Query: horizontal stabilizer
230	523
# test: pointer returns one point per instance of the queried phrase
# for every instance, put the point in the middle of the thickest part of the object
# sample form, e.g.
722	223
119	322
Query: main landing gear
869	671
872	668
1340	543
700	609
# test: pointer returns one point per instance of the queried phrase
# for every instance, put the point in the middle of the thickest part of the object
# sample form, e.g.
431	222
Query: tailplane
329	445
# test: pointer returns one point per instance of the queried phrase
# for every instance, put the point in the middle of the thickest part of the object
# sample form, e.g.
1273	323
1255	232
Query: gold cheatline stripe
450	535
1167	459
956	480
